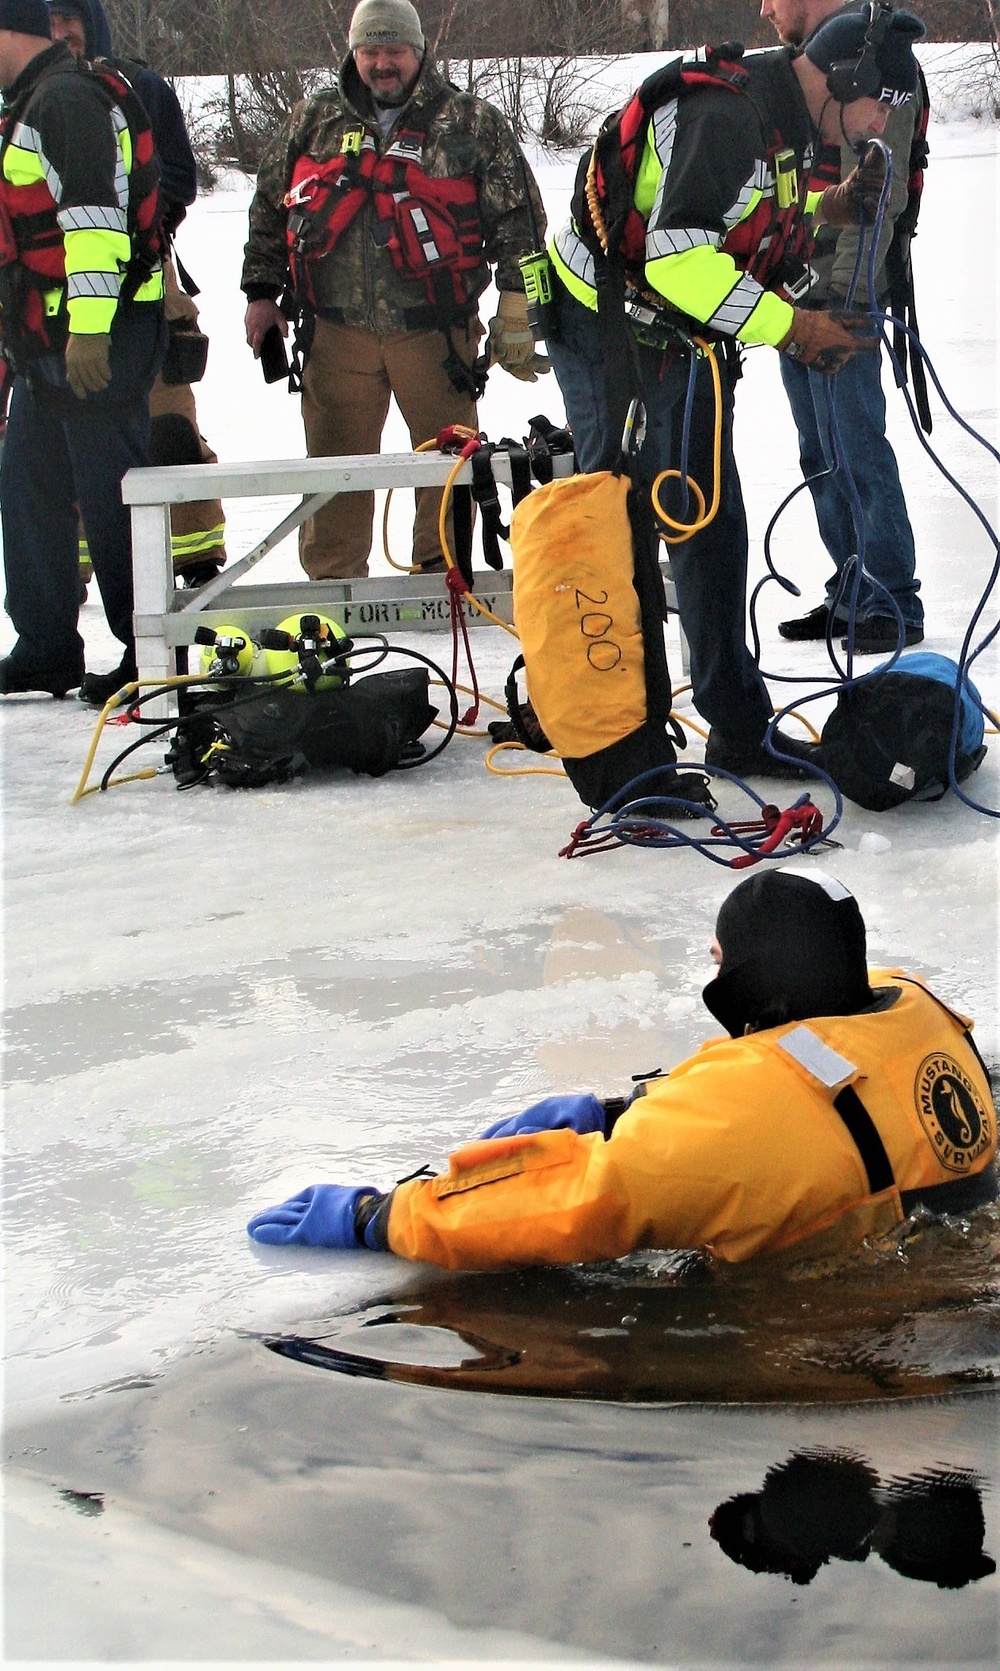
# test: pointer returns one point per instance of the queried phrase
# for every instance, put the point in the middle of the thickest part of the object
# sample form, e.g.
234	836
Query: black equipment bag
368	726
887	741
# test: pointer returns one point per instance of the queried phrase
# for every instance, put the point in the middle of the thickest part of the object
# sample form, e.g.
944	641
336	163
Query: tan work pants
349	378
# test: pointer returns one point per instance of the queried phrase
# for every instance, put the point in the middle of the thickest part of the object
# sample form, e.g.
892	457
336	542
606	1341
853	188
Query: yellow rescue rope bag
590	621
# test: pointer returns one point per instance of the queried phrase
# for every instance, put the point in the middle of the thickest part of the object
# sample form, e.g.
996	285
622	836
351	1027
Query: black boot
809	627
879	636
754	760
98	688
17	679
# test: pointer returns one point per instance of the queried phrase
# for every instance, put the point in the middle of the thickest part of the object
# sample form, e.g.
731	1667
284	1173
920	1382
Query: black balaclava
793	946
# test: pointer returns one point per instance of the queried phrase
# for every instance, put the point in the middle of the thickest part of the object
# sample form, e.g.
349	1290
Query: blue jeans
709	570
859	404
60	453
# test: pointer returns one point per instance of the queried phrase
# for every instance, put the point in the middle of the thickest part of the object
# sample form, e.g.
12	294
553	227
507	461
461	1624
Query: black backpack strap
461	510
465	379
188	284
545	441
520	470
648	584
484	492
622	374
529	738
865	1137
303	322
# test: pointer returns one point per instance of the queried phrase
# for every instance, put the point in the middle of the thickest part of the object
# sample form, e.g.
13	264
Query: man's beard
391	100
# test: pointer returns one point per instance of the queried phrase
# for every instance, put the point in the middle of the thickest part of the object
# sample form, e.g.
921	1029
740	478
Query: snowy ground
213	999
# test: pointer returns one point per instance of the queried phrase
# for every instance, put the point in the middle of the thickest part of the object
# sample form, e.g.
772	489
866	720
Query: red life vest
772	243
431	227
32	252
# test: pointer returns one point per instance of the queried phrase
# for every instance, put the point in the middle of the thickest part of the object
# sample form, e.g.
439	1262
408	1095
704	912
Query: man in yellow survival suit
842	1099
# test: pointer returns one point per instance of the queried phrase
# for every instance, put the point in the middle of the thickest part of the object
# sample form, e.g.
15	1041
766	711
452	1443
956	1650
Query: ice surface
215	998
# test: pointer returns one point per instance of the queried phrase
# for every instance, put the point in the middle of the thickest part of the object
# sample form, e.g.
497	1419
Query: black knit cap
842	38
793	946
25	17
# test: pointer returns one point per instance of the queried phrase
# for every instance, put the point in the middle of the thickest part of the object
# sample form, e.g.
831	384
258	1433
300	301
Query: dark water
691	1466
920	1315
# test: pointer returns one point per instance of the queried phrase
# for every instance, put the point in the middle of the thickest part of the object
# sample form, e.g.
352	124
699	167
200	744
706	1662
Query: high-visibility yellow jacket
809	1136
71	185
719	176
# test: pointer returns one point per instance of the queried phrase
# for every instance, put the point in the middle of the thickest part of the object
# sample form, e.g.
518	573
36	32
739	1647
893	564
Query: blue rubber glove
321	1216
581	1113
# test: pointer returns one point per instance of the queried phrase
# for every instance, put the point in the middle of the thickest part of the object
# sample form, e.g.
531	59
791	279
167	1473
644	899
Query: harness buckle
802	285
296	197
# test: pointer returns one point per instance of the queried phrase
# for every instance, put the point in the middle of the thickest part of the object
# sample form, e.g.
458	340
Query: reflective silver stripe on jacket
572	250
92	218
93	284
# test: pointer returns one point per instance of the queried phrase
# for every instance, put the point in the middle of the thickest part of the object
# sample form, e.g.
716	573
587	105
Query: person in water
842	1099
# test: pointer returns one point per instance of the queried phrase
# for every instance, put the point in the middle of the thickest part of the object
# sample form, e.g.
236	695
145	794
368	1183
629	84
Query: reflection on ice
825	1504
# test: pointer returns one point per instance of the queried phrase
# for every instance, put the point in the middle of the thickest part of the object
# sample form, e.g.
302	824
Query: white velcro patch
816	1057
830	885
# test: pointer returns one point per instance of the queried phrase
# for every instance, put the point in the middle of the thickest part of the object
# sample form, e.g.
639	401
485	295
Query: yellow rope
521	771
402	568
131	777
468	730
446	548
410	568
688	724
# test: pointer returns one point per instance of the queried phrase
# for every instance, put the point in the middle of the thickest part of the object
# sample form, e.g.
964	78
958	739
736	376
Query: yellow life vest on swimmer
591	633
752	1146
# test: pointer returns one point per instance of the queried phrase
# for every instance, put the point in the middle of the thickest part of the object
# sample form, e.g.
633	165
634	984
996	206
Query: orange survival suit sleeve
550	1197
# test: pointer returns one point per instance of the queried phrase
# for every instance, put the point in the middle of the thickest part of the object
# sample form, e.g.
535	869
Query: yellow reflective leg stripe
201	541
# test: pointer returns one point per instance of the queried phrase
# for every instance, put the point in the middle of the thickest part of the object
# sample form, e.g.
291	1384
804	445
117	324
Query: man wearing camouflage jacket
381	205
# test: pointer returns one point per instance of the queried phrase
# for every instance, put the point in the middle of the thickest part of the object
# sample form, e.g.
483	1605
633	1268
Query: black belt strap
484	491
544	441
461	510
957	1195
867	1141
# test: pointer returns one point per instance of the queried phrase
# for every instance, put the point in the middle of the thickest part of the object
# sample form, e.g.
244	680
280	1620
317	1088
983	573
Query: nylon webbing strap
461	510
648	583
484	491
866	1139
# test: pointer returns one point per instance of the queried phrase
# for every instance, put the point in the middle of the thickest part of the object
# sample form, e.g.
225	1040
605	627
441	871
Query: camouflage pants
348	382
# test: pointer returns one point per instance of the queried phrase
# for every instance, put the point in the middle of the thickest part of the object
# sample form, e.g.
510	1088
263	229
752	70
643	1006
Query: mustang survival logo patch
952	1112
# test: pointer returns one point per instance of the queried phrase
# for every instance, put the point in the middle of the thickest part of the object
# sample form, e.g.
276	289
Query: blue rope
626	822
854	572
